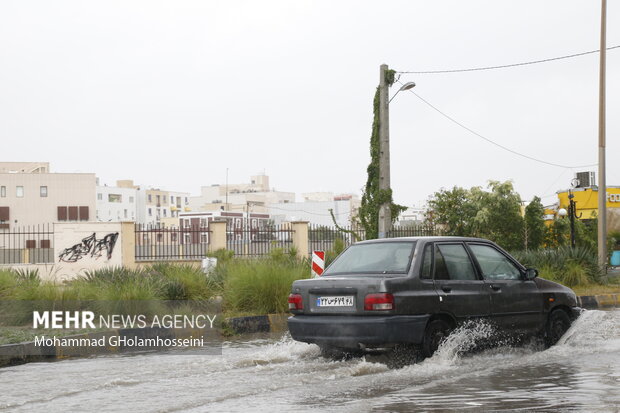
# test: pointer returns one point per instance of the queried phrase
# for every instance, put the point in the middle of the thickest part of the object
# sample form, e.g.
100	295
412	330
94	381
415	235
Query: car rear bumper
358	332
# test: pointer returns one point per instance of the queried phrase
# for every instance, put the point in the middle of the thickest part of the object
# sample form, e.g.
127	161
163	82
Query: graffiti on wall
90	246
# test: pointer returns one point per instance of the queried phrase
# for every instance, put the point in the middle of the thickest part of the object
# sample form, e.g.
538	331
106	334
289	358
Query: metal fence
413	231
27	245
258	240
324	238
158	243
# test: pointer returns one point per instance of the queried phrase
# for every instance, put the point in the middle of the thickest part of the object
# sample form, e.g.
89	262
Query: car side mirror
531	273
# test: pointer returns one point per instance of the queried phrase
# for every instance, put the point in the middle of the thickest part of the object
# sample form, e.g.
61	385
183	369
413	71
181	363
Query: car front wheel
557	325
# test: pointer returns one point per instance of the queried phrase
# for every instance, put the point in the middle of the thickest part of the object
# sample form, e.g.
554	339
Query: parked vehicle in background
382	294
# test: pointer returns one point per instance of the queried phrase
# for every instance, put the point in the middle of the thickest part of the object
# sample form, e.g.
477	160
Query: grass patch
261	286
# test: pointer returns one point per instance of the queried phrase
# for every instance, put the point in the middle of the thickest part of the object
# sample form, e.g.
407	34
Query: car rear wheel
436	332
557	325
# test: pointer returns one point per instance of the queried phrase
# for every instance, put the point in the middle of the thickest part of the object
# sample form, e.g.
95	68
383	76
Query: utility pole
385	213
602	185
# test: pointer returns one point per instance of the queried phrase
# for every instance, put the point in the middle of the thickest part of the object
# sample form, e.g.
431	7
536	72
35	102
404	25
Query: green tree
534	224
494	214
498	216
373	197
452	210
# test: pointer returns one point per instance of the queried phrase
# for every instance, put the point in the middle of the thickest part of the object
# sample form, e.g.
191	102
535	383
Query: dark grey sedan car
414	291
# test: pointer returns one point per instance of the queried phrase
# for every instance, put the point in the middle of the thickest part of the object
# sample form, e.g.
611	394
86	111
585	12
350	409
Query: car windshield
376	257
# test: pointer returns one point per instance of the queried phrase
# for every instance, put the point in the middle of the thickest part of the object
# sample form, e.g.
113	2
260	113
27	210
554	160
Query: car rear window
374	258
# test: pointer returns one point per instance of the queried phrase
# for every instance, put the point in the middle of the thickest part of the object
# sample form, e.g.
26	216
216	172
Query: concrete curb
593	302
258	324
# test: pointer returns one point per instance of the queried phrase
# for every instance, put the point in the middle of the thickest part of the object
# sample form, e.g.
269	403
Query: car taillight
295	302
380	301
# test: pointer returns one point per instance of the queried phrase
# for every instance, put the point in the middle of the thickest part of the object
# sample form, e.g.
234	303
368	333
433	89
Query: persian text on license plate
335	301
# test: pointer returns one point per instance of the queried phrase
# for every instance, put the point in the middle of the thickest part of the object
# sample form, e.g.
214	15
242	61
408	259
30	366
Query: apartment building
30	195
255	196
316	209
117	203
161	204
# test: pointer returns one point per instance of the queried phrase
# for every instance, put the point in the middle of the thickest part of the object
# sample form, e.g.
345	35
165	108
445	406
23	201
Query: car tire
436	332
557	325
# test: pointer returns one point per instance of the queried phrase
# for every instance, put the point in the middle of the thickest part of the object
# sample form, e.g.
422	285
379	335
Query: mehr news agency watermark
156	323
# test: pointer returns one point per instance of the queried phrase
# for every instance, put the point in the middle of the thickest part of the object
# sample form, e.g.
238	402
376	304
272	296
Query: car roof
426	239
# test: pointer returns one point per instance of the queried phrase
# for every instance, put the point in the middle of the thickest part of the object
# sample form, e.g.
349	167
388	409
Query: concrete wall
76	260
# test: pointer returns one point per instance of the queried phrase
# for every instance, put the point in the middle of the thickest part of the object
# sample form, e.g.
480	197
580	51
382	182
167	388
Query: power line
473	132
477	69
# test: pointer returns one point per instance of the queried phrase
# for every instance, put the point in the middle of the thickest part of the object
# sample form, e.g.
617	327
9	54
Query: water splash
467	337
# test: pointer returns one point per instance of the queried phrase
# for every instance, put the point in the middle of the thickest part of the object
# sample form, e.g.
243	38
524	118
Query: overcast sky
172	93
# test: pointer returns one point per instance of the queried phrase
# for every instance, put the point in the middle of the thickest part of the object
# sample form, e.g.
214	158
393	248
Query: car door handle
446	289
495	287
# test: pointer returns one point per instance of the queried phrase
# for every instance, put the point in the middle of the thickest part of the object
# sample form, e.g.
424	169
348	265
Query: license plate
335	301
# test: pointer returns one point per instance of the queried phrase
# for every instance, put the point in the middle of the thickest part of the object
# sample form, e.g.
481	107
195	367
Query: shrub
261	286
568	266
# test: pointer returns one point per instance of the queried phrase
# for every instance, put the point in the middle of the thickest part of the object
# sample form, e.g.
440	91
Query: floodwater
274	373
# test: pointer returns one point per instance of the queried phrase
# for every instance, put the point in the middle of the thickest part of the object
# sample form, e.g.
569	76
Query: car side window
452	263
494	264
426	263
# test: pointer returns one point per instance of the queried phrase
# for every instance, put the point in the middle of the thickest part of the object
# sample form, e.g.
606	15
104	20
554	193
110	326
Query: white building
413	215
117	203
238	197
344	208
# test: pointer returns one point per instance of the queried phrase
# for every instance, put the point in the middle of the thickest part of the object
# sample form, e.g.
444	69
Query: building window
165	212
43	191
3	191
19	191
115	198
150	198
150	212
158	197
99	197
131	199
204	238
172	200
186	201
125	213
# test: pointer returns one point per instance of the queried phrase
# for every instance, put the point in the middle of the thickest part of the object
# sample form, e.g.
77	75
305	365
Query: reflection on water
270	373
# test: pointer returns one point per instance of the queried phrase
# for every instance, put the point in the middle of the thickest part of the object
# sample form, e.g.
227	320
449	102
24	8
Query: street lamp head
562	212
407	86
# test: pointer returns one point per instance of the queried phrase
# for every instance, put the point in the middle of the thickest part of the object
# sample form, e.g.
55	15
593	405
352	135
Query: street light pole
385	215
602	185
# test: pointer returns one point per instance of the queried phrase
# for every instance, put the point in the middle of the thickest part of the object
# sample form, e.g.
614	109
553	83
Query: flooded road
580	374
